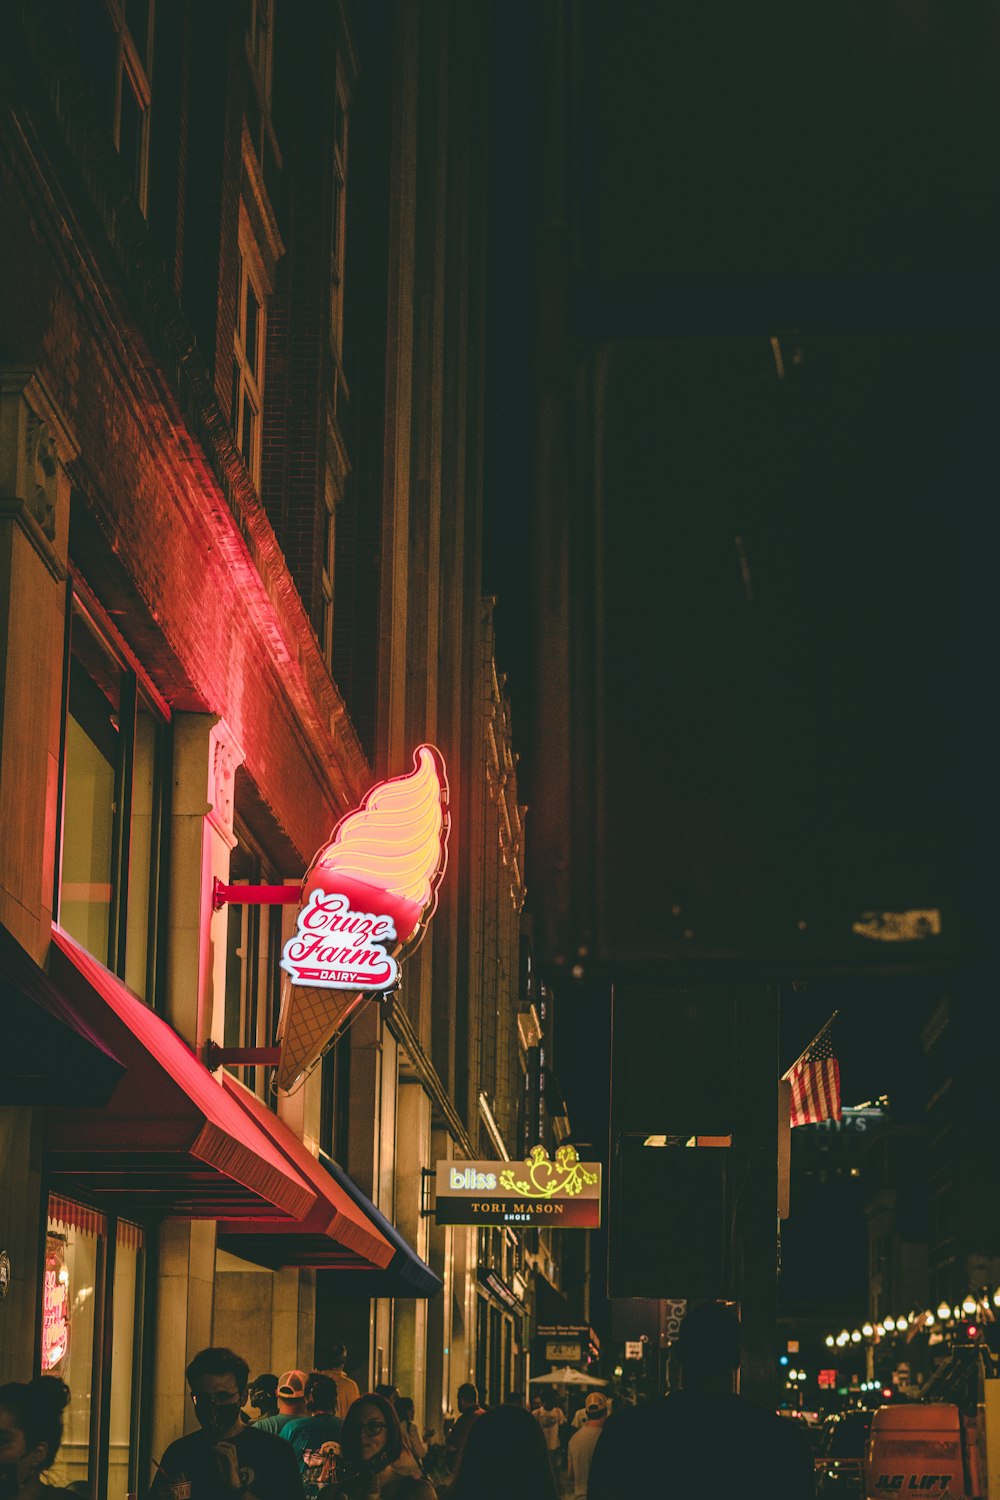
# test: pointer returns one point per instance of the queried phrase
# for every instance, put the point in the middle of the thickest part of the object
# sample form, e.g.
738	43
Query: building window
93	1295
338	219
116	40
248	356
260	36
113	790
253	976
326	572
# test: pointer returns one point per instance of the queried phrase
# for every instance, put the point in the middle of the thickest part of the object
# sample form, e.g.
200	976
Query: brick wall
166	521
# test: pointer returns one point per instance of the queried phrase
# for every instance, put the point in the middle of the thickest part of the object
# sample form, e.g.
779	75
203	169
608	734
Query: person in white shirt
550	1418
582	1444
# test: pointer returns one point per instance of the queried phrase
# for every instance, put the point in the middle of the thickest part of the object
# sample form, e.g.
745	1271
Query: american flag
815	1081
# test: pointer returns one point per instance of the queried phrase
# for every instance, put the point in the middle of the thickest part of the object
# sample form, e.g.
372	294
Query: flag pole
809	1045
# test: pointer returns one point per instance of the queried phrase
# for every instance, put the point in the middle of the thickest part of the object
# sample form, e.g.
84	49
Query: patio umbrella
566	1376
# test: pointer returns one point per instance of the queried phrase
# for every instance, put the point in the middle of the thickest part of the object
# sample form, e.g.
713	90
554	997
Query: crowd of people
315	1436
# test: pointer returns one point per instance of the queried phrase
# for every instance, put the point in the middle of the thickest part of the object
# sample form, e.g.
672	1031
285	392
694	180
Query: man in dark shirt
469	1410
702	1440
226	1460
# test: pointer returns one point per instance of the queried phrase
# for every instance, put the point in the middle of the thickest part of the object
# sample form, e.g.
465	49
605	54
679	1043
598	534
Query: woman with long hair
30	1433
372	1459
504	1458
408	1427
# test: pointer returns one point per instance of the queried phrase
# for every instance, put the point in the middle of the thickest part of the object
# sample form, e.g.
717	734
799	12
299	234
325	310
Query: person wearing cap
291	1393
582	1444
264	1395
316	1436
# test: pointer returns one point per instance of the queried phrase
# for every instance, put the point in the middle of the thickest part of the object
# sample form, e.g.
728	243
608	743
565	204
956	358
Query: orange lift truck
948	1441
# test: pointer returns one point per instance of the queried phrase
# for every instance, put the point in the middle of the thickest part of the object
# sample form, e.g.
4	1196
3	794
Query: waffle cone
309	1018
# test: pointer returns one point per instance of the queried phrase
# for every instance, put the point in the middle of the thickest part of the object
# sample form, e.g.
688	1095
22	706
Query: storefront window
93	1290
113	777
74	1257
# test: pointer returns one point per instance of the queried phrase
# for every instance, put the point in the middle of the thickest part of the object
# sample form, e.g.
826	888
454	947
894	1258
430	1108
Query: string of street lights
947	1316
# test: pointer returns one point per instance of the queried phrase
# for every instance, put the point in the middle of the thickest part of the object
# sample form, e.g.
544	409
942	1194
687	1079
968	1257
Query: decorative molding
36	444
226	756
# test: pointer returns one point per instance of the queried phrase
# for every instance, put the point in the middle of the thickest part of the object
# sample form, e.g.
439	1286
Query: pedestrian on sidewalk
550	1418
291	1394
469	1412
371	1464
348	1390
504	1458
583	1442
703	1439
226	1460
412	1440
264	1395
315	1438
31	1429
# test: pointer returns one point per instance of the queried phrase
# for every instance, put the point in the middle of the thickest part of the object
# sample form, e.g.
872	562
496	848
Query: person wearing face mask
30	1434
226	1460
372	1465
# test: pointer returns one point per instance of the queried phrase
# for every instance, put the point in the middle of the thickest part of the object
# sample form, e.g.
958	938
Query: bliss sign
338	948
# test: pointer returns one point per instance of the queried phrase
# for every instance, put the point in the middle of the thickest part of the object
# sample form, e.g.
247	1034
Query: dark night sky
825	743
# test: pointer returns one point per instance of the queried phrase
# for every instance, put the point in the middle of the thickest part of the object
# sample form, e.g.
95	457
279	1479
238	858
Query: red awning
336	1233
172	1140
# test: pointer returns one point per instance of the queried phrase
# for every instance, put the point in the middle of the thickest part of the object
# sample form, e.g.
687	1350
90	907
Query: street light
867	1330
890	1324
880	1329
944	1311
830	1341
856	1336
969	1305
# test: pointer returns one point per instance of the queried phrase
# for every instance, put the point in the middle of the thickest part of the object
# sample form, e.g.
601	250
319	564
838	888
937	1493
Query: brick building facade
241	384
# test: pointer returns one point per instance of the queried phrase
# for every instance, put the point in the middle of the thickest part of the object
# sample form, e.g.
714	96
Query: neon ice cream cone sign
367	896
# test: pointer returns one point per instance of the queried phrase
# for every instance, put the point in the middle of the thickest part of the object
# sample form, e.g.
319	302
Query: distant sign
565	1193
558	1352
826	1379
633	1348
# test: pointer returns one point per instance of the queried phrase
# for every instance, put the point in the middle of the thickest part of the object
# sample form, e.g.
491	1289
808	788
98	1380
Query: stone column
439	1258
205	760
183	1321
36	446
413	1139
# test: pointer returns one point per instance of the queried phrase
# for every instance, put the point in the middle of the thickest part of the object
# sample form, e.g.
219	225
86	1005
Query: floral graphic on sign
547	1179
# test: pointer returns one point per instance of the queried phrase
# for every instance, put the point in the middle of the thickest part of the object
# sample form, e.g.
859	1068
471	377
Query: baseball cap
266	1382
292	1384
596	1402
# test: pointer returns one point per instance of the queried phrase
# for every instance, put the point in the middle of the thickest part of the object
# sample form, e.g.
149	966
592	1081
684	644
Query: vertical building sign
366	899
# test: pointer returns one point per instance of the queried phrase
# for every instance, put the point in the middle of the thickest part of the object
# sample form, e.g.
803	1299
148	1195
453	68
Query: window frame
338	212
261	58
249	377
101	1362
137	689
129	62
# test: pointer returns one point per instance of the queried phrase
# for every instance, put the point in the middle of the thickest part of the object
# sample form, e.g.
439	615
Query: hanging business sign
564	1193
366	901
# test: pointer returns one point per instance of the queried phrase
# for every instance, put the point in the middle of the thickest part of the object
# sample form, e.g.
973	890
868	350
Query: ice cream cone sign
366	900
